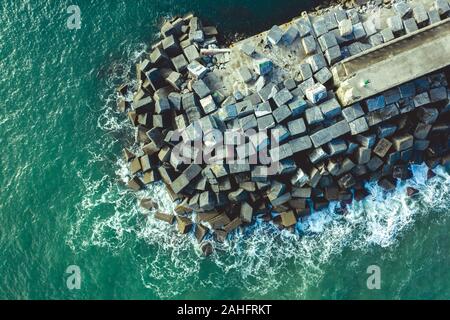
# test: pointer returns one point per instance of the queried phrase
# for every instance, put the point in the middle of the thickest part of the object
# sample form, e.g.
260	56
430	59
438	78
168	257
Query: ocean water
63	200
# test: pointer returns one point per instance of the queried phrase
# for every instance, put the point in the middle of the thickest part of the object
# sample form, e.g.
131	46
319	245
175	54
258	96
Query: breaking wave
254	262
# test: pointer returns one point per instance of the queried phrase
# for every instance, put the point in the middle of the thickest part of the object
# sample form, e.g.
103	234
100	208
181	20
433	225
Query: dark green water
63	202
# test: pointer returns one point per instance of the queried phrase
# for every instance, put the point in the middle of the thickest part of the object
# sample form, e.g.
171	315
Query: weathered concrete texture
403	59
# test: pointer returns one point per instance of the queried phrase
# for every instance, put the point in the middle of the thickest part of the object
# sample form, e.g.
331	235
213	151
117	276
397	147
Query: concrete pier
393	63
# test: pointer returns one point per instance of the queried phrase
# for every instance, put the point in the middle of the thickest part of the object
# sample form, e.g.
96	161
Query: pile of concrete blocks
316	151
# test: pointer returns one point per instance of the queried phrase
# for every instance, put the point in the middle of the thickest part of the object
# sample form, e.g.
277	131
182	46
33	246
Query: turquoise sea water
63	202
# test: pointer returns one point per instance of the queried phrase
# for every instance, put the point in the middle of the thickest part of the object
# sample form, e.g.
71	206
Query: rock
411	192
207	249
148	204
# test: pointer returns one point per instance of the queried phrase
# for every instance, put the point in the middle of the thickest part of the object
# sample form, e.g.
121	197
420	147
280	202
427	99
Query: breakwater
256	130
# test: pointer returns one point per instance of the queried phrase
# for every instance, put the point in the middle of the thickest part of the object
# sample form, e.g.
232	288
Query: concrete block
375	103
374	164
309	45
248	122
290	35
320	27
303	27
387	35
280	134
297	107
170	46
367	140
433	16
386	130
403	142
421	99
266	122
323	75
330	20
282	113
313	115
263	109
268	91
421	145
347	181
201	89
248	48
317	155
352	112
316	93
395	23
246	213
358	126
327	40
333	55
382	147
263	66
317	62
345	27
442	7
180	63
299	179
300	144
305	71
197	70
422	130
410	25
274	35
321	137
289	84
427	115
358	31
330	108
288	219
260	140
339	129
281	152
376	39
282	97
403	9
335	147
208	104
438	94
362	155
245	74
297	127
420	14
386	113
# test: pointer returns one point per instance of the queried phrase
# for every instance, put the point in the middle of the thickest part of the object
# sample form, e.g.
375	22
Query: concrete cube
358	126
300	144
352	112
274	35
309	44
313	115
